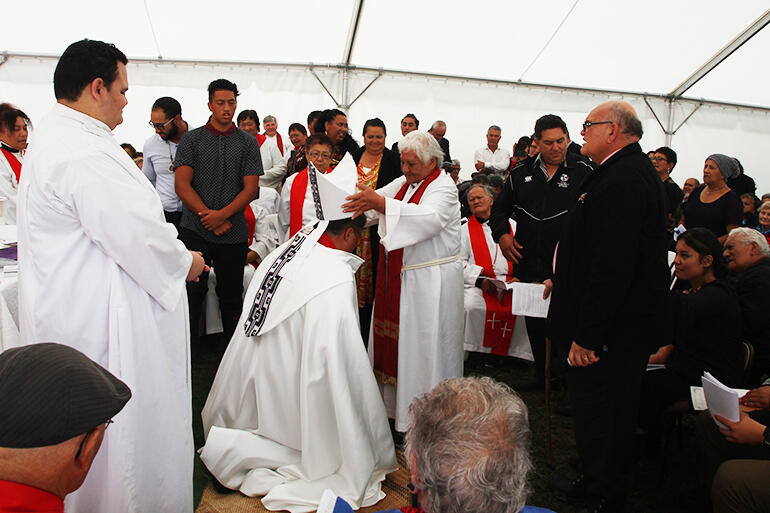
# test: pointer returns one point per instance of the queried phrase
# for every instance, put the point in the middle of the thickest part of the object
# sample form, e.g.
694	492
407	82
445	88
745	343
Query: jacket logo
582	198
527	178
563	181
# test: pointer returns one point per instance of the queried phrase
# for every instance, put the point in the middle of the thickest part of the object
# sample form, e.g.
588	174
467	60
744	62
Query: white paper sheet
721	400
699	399
528	299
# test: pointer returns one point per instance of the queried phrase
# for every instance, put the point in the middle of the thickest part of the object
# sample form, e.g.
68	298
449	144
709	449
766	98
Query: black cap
50	393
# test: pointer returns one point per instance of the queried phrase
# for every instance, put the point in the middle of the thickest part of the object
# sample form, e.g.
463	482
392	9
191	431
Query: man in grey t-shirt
217	168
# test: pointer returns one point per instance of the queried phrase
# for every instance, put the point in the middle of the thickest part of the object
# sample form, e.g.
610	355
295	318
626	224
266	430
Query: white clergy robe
9	186
475	306
430	341
296	409
273	164
284	210
100	270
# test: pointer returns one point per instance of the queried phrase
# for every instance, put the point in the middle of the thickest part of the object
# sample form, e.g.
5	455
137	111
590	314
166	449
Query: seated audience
763	220
481	259
748	259
454	170
737	456
713	205
706	329
56	404
750	205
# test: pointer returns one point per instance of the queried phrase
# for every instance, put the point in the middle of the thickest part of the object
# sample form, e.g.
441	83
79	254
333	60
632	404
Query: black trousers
536	334
173	217
228	261
605	399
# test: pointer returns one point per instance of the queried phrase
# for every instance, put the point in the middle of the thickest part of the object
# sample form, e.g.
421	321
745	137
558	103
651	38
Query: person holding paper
539	193
489	323
706	329
737	456
294	408
609	300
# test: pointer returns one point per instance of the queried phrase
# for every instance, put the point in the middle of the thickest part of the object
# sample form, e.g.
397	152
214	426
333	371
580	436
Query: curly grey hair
469	440
748	236
424	145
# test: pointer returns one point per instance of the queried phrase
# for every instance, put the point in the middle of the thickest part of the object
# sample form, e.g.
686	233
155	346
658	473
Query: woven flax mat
396	496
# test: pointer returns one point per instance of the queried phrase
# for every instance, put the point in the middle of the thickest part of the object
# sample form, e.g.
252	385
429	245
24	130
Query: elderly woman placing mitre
489	324
416	336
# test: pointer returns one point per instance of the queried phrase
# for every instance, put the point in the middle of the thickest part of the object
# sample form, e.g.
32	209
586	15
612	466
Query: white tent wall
468	107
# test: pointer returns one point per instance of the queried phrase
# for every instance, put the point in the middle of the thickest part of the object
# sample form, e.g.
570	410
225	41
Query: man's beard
172	133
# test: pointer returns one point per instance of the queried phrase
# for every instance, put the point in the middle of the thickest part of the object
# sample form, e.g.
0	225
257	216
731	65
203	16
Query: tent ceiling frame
721	55
426	75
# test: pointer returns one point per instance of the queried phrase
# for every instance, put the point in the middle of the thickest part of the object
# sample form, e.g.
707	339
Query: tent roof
644	47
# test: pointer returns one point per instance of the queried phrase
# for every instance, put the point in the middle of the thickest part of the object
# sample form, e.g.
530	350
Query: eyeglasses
83	441
161	126
589	124
316	154
657	159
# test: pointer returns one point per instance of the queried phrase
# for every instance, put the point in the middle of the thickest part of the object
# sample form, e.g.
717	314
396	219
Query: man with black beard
159	152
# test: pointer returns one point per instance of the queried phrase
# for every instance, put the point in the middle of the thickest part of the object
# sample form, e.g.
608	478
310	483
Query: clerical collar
481	220
216	132
8	148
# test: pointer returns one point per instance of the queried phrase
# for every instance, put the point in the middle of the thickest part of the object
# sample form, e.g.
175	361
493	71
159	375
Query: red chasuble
499	321
387	299
14	162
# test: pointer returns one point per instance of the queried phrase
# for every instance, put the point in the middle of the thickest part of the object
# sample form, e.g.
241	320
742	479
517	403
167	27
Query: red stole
14	162
499	321
251	222
297	200
261	139
387	300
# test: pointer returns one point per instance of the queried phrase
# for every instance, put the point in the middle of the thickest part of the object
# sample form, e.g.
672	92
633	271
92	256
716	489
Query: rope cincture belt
430	263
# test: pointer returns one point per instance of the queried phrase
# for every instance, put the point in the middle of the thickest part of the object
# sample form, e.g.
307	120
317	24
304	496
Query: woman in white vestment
480	199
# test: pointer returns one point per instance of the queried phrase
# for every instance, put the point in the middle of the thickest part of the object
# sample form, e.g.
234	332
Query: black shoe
602	505
574	489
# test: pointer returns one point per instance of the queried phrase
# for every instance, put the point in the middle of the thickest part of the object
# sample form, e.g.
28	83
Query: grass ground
652	491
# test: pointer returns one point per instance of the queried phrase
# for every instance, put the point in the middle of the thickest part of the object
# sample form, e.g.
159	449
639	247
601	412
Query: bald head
612	126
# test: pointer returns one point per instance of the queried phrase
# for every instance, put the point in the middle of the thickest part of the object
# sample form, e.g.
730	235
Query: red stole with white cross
387	299
499	321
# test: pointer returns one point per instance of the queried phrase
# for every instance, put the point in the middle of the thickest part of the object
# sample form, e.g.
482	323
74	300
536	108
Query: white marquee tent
696	72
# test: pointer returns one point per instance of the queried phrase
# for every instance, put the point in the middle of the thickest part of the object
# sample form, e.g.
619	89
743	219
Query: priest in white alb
490	327
294	408
100	270
416	338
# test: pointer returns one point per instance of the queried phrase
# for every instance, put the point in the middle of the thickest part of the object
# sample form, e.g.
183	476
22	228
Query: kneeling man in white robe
294	408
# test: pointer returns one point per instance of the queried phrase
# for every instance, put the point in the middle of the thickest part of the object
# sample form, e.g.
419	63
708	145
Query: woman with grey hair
416	336
713	205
